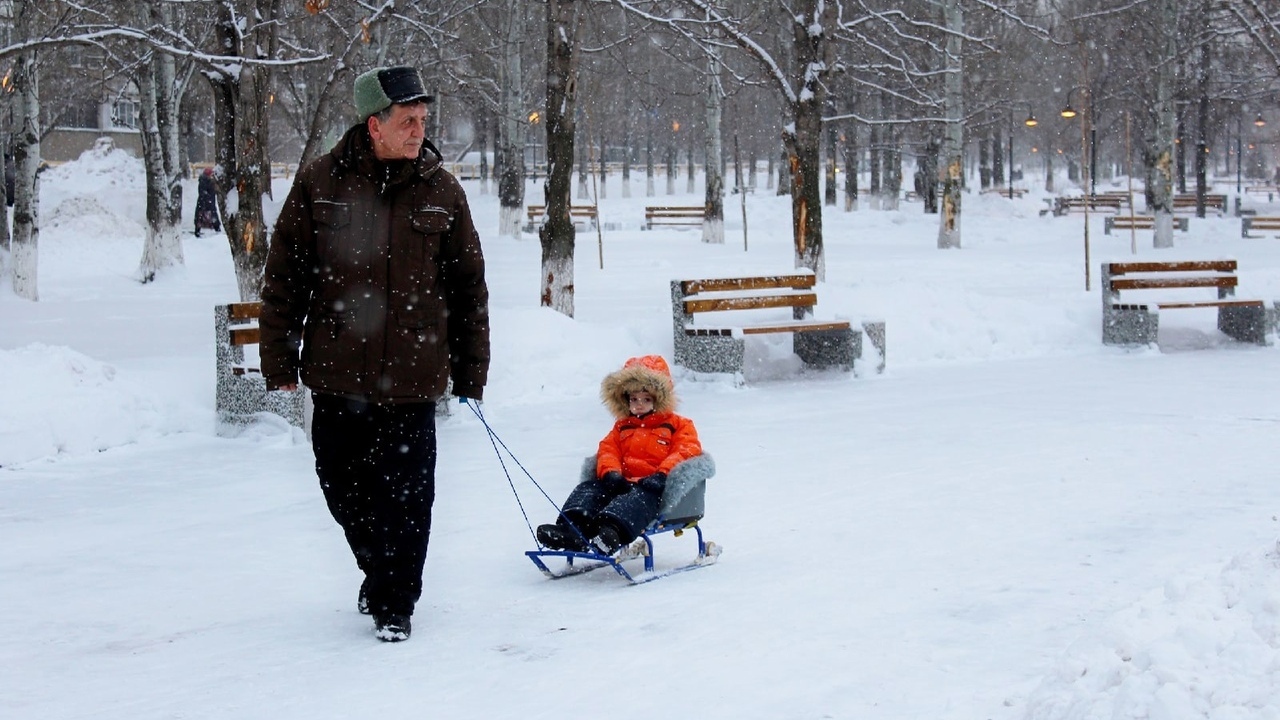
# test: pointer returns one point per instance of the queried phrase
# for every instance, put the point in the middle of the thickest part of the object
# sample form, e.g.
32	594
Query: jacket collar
354	153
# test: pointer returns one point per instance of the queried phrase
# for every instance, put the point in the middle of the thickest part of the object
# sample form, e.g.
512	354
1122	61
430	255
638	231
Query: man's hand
288	388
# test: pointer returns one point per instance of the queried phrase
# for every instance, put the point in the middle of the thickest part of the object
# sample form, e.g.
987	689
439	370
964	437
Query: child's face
641	402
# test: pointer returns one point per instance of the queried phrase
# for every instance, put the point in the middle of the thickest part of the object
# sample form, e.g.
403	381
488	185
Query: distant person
647	440
207	203
374	293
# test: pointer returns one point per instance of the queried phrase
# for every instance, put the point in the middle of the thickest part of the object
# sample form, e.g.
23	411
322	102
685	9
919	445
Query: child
633	460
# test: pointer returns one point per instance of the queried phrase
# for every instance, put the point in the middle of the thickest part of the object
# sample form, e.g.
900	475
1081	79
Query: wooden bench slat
581	211
1174	266
1227	281
799	326
750	303
244	310
244	336
796	282
1211	303
762	329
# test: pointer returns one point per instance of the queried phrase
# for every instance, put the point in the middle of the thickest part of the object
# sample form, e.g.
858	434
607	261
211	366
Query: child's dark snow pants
630	511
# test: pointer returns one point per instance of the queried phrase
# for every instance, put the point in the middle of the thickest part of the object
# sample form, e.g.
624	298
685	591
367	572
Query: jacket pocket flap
332	214
416	319
431	222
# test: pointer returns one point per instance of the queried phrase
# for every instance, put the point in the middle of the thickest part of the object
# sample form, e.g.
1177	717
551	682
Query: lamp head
1068	112
1258	121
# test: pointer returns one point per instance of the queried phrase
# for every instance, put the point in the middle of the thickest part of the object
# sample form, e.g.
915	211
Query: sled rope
496	442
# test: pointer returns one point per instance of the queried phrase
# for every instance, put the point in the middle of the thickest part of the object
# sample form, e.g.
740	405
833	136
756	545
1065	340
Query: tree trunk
602	170
672	167
953	149
1202	129
24	260
557	233
482	140
1165	127
873	164
628	137
583	168
162	247
713	219
997	161
891	156
243	100
648	158
829	168
851	169
691	178
812	57
984	162
511	134
929	177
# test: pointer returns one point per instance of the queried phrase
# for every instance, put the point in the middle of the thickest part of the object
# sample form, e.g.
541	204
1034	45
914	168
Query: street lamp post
1257	122
1069	112
1029	122
1239	155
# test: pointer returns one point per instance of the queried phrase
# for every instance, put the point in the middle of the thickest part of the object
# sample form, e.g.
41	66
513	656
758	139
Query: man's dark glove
613	482
654	483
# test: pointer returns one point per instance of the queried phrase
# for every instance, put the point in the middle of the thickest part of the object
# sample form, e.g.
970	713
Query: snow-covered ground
1013	521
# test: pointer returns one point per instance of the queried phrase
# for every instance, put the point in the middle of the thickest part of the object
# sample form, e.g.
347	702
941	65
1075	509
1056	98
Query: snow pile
1204	646
114	167
101	194
66	402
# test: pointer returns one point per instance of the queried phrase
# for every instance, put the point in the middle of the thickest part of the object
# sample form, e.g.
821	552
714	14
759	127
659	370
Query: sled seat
683	506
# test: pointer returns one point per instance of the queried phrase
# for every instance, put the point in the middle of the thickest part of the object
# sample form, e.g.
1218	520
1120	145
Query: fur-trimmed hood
649	373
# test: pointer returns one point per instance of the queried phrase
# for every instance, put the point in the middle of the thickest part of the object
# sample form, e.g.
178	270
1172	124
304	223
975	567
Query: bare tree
511	122
245	29
26	155
713	215
953	145
157	85
557	233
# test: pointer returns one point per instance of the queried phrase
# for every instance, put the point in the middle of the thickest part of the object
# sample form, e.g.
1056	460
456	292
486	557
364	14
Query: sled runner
683	505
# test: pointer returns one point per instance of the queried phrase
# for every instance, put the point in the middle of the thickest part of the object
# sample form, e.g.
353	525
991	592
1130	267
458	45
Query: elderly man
375	297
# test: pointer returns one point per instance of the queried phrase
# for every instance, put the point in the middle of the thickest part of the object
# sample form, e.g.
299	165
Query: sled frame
708	552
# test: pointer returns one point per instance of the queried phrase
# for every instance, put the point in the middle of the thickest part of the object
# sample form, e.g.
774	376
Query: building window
124	114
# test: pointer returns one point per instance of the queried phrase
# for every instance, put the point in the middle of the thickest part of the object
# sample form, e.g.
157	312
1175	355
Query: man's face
400	137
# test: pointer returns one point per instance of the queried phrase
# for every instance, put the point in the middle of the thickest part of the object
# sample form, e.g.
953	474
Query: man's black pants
377	468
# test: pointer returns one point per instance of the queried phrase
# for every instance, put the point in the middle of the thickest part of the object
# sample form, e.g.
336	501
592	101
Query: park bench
1004	192
1137	324
1138	222
1268	190
586	214
1187	202
718	345
1064	205
241	390
674	215
1259	222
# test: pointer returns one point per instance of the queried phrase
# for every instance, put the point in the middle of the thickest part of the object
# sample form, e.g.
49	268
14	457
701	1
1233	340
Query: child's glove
654	483
613	482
